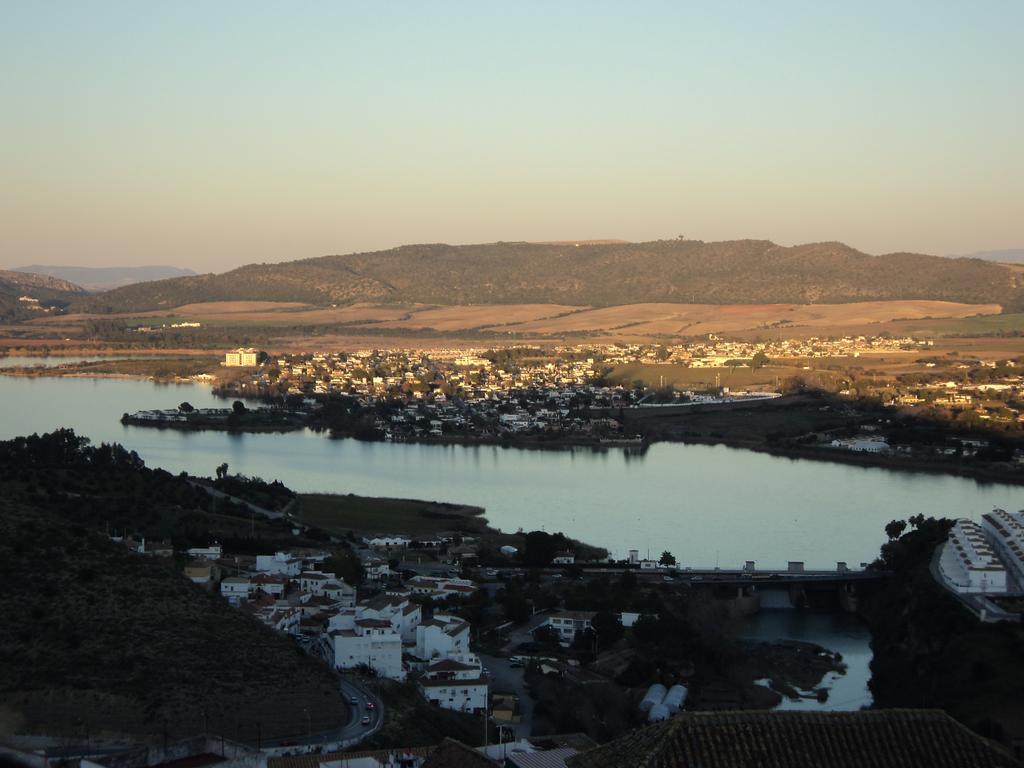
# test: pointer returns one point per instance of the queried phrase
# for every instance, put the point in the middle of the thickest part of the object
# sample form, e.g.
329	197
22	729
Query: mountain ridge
97	279
592	274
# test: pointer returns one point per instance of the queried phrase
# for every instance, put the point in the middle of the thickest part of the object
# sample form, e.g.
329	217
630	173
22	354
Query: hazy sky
209	135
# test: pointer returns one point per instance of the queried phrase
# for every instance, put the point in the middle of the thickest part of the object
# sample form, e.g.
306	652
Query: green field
339	514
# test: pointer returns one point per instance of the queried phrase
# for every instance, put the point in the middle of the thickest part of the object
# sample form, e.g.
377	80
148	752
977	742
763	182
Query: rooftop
895	738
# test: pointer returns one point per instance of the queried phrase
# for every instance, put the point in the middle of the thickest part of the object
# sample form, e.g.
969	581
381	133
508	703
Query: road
269	513
356	730
508	679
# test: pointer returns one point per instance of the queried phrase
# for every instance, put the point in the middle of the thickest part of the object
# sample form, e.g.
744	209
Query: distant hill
595	274
98	639
1006	255
106	278
48	292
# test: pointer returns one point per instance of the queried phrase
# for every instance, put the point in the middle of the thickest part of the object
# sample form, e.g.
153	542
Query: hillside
97	638
49	291
106	278
590	274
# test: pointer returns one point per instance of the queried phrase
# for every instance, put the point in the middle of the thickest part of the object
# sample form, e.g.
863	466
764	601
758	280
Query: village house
234	589
442	637
456	685
567	623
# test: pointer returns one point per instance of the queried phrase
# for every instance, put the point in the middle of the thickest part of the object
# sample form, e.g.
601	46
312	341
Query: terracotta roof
895	738
454	754
314	760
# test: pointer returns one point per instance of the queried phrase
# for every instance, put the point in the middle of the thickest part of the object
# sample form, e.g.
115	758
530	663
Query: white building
403	615
456	685
280	563
234	589
240	358
568	623
441	589
212	552
268	584
443	637
373	643
967	562
1005	530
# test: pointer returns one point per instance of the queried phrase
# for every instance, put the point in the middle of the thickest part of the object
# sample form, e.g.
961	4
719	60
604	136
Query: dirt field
391	325
697	319
494	317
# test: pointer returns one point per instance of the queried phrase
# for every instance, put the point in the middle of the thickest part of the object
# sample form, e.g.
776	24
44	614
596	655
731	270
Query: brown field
697	319
397	325
491	316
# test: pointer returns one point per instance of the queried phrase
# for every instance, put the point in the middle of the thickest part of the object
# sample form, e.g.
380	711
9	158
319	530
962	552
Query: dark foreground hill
594	274
97	639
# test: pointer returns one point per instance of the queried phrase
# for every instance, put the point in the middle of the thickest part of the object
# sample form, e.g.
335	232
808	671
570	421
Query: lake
708	505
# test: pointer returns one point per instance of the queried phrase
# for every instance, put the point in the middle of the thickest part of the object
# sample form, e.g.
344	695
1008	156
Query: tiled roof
897	738
454	754
314	760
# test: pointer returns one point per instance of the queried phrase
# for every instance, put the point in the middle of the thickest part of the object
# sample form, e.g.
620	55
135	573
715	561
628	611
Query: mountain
99	639
595	274
1006	255
97	279
47	292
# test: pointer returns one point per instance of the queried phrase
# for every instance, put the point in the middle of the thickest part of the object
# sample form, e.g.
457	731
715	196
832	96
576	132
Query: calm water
705	504
14	361
836	631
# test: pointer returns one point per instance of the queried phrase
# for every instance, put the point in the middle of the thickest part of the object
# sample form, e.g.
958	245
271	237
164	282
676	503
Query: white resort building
1006	532
968	564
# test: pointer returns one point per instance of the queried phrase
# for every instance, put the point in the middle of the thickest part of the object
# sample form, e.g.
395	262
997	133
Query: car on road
370	705
366	719
353	700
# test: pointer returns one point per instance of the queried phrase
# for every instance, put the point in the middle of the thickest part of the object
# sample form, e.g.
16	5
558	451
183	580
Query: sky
210	135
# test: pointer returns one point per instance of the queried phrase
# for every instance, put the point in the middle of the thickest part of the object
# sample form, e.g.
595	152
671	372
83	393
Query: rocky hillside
595	274
48	292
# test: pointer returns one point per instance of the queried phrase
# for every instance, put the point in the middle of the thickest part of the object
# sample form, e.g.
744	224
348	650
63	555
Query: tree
608	627
667	559
222	471
238	407
186	407
759	360
895	528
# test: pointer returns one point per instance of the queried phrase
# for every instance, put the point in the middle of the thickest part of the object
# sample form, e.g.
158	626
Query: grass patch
339	514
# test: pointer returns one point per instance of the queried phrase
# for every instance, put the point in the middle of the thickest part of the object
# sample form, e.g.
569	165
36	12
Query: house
235	589
372	643
404	616
568	623
442	637
203	574
340	592
283	619
563	558
896	738
440	589
279	563
456	685
268	585
387	543
212	552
